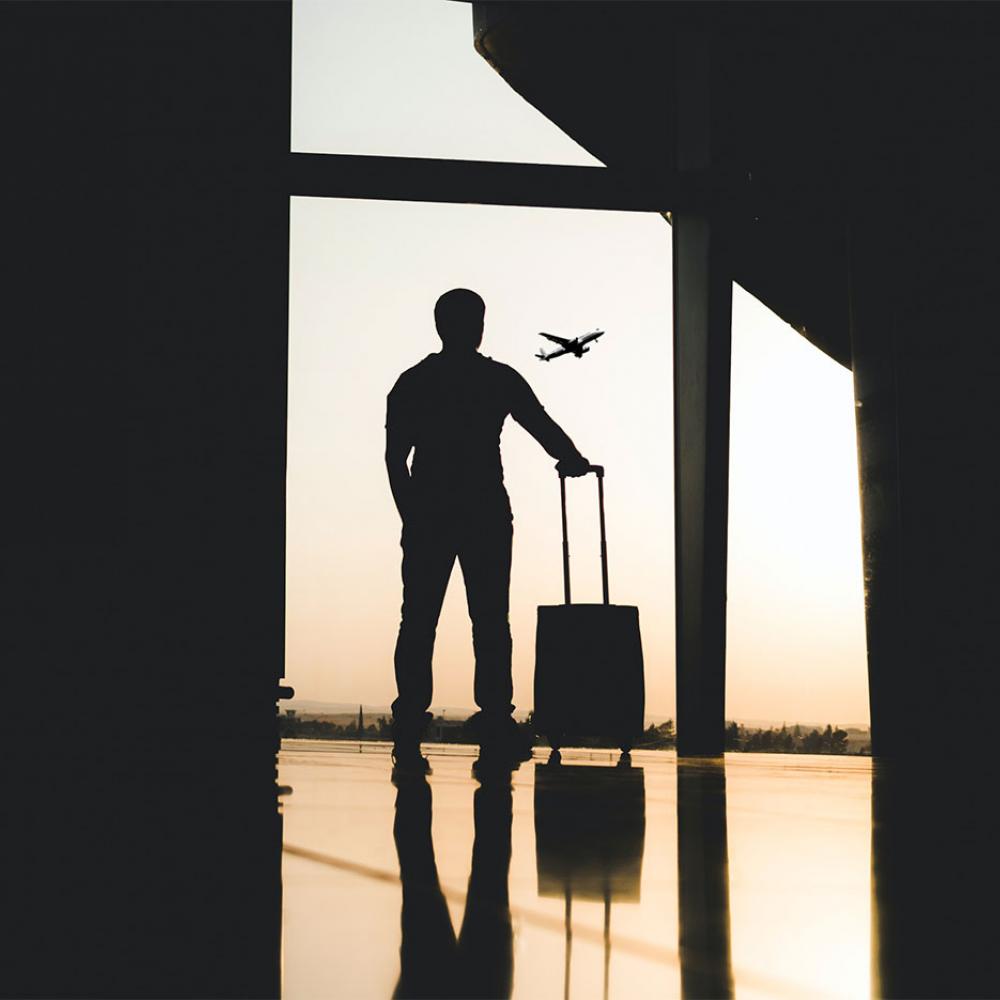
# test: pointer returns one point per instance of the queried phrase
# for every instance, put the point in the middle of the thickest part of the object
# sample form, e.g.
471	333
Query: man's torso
453	410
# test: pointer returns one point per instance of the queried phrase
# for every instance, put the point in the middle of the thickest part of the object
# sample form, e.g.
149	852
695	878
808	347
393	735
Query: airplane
574	346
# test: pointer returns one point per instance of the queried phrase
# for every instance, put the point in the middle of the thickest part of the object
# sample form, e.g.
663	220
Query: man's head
458	315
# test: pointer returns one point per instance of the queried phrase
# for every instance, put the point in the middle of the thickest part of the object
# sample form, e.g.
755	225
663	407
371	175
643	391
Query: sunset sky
403	78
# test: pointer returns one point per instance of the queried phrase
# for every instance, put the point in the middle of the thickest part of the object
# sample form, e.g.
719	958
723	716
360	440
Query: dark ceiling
821	115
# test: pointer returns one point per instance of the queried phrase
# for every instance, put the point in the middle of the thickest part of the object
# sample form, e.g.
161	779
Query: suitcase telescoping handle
598	470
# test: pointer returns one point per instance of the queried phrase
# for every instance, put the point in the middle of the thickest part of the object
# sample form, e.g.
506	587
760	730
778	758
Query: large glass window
365	276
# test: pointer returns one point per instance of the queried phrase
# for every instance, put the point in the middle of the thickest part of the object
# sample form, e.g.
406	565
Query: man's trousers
431	544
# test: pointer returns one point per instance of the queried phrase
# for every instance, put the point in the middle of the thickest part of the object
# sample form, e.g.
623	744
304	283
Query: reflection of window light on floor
400	78
797	848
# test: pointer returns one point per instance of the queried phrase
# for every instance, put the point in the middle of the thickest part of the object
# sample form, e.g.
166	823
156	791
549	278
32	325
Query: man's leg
428	556
484	553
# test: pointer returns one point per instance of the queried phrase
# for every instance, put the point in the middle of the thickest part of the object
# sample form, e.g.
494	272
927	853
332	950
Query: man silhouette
449	410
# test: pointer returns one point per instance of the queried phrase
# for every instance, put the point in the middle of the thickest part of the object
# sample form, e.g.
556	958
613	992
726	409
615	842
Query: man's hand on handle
573	467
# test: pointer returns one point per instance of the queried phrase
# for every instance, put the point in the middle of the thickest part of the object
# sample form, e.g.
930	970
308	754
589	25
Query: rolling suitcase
588	660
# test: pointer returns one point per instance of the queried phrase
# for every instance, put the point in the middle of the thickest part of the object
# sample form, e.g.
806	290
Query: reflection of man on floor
449	410
432	963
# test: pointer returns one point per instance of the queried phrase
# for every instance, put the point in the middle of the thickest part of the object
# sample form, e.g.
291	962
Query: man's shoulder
414	374
503	371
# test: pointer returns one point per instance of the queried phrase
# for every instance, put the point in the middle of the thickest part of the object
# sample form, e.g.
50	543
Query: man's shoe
505	740
409	730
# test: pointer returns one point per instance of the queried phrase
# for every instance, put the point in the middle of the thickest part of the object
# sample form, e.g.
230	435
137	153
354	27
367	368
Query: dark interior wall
144	381
927	377
146	369
927	373
207	111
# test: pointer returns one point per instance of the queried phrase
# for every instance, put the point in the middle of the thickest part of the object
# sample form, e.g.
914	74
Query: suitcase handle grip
598	470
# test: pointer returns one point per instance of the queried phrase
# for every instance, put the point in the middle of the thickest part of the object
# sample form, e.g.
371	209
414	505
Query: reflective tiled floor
773	898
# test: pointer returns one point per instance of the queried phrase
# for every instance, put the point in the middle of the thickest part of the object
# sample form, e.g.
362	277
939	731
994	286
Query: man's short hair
458	315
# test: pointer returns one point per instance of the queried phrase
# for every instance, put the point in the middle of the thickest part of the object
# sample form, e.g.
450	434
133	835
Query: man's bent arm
531	415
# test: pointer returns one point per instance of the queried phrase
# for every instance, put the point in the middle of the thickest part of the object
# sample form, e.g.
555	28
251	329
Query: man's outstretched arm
398	443
531	415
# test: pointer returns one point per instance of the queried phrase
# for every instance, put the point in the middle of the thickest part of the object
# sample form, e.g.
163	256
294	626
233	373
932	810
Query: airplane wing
562	341
554	354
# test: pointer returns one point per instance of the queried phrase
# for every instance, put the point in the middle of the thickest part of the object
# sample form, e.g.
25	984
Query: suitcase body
589	679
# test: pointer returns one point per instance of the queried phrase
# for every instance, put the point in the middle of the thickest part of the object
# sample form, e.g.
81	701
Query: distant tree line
440	730
785	740
655	737
661	737
293	726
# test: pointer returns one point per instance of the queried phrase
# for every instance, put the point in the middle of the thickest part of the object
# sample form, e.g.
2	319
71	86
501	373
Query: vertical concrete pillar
702	296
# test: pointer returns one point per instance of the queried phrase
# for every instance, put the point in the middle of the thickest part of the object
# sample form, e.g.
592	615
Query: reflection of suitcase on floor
590	831
588	660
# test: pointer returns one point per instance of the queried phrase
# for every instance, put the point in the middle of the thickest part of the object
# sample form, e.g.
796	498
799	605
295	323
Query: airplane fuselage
577	346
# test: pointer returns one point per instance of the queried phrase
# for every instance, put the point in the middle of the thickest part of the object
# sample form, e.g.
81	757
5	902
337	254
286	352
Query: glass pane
364	279
795	647
402	78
